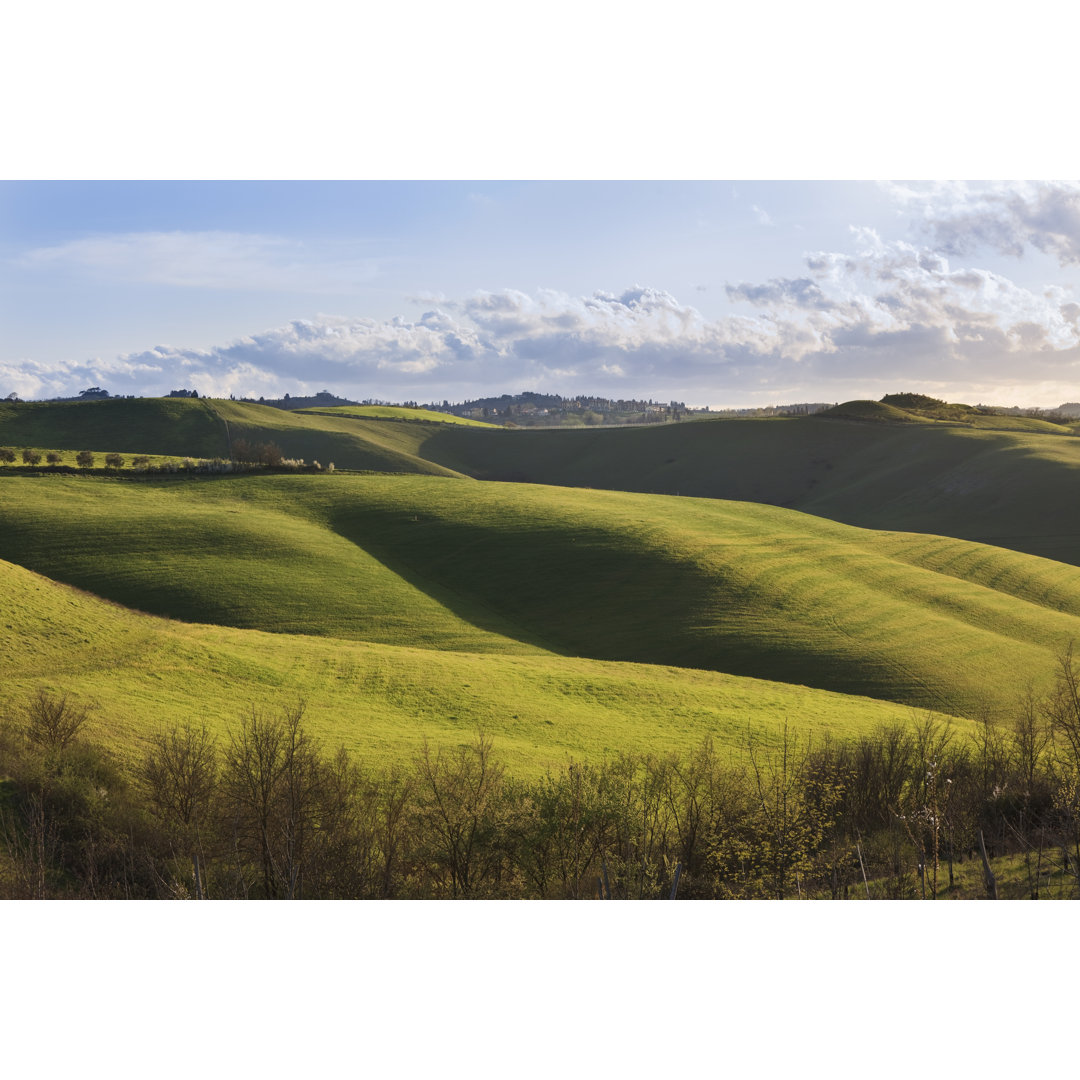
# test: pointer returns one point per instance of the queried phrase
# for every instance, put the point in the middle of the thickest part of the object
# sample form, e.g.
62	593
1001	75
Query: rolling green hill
141	673
1010	488
203	428
509	569
180	426
395	412
1010	484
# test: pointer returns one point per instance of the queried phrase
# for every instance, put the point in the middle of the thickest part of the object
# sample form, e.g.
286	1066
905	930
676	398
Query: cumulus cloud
32	379
881	316
782	292
960	219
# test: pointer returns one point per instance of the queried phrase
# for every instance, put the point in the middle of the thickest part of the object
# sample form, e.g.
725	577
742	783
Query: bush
140	462
7	456
54	458
53	723
31	457
114	461
84	459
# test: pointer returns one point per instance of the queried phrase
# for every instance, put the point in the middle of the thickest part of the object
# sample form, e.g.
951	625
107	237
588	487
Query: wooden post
862	867
675	885
988	874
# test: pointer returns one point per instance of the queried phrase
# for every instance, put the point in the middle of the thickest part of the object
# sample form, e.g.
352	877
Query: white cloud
880	316
1009	218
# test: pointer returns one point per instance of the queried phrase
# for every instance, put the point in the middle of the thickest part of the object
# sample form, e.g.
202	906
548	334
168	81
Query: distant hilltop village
532	409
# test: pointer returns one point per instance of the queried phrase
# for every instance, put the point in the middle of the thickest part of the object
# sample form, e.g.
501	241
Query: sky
718	293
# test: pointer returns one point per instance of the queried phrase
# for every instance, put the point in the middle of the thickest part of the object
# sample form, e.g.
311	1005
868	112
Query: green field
141	674
1009	484
447	564
394	412
592	607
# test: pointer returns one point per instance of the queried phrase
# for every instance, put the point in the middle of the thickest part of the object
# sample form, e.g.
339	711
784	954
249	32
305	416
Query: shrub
54	458
31	457
53	723
84	459
114	461
140	462
270	454
7	456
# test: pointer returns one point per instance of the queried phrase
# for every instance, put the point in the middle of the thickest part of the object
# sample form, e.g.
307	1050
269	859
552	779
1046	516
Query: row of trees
267	812
84	458
245	457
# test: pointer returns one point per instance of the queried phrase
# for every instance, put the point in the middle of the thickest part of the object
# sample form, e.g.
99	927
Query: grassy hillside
350	442
1005	487
142	673
178	426
877	412
204	428
507	569
395	412
1009	488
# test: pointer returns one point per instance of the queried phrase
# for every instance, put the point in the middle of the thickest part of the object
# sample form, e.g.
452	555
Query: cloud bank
879	316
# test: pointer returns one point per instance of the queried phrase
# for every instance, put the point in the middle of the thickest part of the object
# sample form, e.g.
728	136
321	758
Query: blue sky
715	293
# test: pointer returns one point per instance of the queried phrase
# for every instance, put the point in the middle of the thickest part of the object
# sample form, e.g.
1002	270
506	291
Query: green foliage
270	814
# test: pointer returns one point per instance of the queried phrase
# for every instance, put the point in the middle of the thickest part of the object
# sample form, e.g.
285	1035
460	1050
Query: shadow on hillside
588	592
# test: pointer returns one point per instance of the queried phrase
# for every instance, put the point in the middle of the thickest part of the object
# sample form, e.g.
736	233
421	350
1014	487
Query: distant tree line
268	812
246	457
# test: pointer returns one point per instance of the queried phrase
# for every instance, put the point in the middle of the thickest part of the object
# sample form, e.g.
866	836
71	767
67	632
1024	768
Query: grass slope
1011	488
747	589
143	673
394	412
1008	488
349	442
206	428
169	426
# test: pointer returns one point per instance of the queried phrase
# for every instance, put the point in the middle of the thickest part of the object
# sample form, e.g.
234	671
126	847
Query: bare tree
270	779
457	803
1062	709
179	770
53	723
